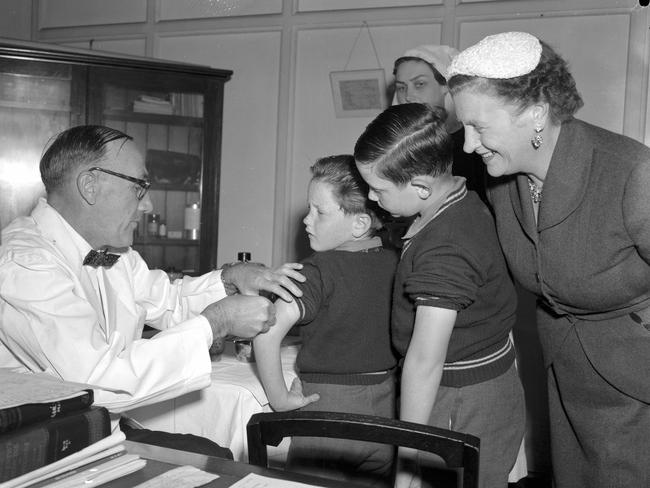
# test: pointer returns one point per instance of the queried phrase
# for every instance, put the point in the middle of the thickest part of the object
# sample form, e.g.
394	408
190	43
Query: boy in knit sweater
453	302
346	362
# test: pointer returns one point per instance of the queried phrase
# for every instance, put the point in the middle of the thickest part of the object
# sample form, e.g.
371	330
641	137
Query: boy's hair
405	141
348	188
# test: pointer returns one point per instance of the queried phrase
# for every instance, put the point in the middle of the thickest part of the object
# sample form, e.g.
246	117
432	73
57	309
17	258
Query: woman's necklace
535	191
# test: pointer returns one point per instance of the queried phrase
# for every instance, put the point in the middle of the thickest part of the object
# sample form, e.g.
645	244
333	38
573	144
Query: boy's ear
422	186
87	187
361	225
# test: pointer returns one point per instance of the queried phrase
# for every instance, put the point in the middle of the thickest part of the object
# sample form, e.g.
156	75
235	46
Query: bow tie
100	258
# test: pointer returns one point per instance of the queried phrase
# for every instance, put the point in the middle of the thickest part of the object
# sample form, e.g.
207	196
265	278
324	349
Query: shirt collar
60	233
456	193
360	245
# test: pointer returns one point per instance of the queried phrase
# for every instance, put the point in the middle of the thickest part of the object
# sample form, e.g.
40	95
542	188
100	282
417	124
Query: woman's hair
84	145
405	141
549	82
436	74
348	187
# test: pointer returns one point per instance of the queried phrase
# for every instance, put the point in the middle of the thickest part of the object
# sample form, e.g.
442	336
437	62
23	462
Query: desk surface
160	460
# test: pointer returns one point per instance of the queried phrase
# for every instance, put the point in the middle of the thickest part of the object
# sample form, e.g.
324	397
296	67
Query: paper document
181	477
22	388
253	480
105	447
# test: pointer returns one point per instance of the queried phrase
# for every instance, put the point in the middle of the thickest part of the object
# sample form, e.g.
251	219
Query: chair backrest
458	450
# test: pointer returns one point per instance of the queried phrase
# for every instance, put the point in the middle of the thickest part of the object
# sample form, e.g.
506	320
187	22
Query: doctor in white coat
66	312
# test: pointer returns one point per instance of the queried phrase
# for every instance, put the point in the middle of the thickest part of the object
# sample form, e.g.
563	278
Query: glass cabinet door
166	120
37	100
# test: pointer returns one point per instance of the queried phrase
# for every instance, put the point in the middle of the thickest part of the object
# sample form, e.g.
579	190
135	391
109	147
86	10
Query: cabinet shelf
152	118
45	89
165	241
41	107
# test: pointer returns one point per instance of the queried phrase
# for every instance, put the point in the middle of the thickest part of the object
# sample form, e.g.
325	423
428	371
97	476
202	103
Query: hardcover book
28	398
36	445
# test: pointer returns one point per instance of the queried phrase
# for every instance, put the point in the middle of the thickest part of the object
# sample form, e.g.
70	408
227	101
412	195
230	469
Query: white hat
437	56
505	55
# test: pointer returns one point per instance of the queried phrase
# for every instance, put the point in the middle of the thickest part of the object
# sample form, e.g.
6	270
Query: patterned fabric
100	258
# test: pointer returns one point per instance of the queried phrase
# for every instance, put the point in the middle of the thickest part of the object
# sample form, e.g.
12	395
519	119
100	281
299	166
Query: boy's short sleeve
443	277
313	291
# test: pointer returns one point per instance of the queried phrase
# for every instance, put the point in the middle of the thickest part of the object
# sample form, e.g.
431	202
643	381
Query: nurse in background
421	76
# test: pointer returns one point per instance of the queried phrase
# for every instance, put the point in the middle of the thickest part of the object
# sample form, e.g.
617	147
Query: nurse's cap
505	55
438	56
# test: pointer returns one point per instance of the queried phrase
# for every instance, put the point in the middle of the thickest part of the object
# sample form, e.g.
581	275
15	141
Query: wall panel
15	19
197	9
133	47
596	48
316	5
249	133
73	13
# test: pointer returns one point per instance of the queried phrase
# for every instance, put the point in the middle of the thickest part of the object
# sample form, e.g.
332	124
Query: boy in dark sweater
453	302
346	362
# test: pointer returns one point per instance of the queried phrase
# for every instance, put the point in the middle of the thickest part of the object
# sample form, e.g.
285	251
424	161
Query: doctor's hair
405	141
74	148
348	187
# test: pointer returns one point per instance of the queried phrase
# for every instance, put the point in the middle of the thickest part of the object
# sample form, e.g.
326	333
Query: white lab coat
85	324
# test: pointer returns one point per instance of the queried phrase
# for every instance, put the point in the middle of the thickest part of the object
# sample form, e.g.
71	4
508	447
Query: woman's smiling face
496	131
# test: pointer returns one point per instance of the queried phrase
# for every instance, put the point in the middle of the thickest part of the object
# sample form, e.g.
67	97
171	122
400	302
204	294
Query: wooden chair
456	449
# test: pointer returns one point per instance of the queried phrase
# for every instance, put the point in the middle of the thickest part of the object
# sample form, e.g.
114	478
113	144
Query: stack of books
153	105
52	435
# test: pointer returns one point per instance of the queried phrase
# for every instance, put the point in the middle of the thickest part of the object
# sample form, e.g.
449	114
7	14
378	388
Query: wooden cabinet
173	111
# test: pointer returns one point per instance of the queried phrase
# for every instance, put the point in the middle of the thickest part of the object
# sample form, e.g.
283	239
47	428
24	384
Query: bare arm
269	365
422	372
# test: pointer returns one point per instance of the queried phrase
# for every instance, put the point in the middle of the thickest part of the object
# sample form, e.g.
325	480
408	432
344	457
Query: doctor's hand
240	315
251	278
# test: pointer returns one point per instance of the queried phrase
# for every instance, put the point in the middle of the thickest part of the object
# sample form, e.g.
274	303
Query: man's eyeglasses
142	184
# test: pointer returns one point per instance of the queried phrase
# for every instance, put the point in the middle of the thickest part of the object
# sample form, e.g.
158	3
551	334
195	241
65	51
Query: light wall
279	115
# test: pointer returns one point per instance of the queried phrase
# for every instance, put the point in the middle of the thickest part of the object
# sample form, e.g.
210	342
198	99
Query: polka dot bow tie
100	258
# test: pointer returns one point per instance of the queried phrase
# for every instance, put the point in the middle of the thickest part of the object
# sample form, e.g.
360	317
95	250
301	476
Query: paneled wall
279	114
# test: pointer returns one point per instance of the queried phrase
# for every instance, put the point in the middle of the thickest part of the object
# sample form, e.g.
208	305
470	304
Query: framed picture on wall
358	93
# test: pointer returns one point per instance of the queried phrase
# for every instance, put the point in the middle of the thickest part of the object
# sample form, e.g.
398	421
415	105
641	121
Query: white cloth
85	324
221	411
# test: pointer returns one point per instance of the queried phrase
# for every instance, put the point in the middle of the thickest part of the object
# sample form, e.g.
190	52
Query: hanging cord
372	42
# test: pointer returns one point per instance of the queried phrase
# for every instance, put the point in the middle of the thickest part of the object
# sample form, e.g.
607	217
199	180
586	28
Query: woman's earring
538	139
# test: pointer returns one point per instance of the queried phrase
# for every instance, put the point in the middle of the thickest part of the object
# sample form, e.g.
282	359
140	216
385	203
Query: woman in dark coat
573	218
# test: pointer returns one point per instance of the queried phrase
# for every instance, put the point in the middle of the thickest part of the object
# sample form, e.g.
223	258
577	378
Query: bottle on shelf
152	224
192	221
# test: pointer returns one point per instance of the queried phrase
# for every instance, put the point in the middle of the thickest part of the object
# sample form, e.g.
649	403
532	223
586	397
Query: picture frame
359	93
